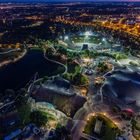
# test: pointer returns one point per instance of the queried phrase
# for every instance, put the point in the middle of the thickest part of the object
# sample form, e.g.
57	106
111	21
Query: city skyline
69	69
69	0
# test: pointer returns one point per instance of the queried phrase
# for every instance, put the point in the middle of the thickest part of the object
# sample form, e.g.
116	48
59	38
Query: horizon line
65	1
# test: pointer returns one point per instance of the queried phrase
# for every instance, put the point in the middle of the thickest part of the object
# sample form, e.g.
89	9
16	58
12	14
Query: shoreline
53	61
5	63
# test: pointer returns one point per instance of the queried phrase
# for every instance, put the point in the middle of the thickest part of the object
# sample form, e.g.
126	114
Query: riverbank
41	79
4	63
57	62
16	75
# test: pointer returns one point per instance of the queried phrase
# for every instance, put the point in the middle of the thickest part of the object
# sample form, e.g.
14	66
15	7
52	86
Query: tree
67	76
87	53
102	66
77	69
39	118
60	133
80	79
50	51
24	111
45	78
62	50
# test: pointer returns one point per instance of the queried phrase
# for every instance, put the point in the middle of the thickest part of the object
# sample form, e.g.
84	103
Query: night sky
64	0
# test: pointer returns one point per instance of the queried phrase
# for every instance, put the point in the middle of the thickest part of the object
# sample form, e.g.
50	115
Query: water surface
16	75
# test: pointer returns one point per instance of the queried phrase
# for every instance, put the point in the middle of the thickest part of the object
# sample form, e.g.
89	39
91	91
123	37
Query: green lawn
110	129
92	39
49	116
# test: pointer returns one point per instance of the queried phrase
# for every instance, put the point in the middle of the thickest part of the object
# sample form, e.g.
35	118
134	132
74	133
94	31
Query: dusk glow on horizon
69	0
69	69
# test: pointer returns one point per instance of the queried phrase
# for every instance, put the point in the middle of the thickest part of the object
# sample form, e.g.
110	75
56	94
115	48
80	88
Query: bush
45	79
133	63
79	79
120	56
39	118
24	112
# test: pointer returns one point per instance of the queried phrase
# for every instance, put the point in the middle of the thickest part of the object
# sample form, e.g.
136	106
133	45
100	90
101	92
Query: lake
16	75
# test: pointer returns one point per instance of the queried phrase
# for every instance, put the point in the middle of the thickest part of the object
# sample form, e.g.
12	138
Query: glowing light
116	123
93	114
88	33
87	119
86	60
66	38
103	39
104	113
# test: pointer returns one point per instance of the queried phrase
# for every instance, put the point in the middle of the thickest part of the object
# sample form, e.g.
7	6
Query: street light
66	38
88	33
104	39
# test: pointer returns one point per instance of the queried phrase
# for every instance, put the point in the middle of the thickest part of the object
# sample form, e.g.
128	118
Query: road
92	106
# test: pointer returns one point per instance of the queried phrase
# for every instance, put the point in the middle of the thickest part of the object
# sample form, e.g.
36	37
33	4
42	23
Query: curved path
88	108
59	63
101	88
37	80
11	61
13	50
